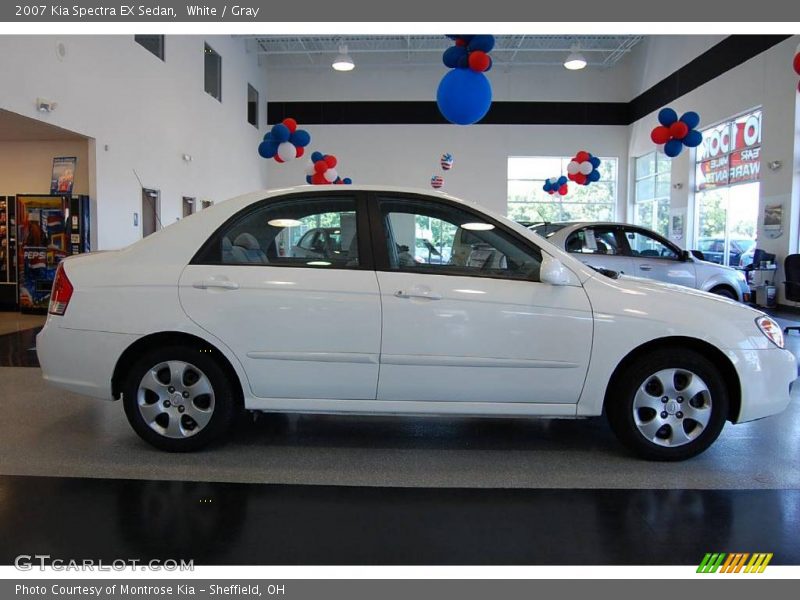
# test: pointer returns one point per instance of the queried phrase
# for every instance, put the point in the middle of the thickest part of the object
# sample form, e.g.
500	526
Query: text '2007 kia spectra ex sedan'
239	307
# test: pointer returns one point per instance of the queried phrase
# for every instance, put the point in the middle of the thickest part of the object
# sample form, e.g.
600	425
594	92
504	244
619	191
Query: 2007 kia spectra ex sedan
236	307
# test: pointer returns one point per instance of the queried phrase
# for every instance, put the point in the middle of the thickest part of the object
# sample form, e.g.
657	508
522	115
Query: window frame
679	252
210	252
206	48
654	201
256	115
379	238
163	55
619	234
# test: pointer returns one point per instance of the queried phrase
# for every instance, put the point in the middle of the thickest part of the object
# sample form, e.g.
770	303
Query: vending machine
8	256
49	228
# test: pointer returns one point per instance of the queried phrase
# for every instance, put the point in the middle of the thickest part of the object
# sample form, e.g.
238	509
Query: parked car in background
206	317
633	250
713	250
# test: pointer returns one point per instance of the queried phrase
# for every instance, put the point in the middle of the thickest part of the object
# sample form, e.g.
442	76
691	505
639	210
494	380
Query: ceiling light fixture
575	60
343	62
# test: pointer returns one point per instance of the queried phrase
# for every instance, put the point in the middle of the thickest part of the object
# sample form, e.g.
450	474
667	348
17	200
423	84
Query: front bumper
766	377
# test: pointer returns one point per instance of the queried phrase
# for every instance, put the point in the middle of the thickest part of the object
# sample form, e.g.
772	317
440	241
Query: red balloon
290	123
460	42
299	151
563	190
330	160
797	63
279	159
479	61
580	178
679	130
582	156
320	166
318	179
660	135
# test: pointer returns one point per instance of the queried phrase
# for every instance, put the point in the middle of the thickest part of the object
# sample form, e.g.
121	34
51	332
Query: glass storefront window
651	195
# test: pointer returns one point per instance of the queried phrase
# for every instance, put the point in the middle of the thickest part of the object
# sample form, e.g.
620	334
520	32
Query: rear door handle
215	283
645	267
426	294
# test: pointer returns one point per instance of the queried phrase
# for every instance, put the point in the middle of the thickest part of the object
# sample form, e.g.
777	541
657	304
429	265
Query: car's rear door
302	326
656	258
479	326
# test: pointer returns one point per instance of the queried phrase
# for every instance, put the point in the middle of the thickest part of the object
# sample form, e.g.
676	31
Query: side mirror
554	272
685	255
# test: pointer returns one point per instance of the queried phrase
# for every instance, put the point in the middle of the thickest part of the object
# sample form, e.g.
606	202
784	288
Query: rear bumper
80	361
766	377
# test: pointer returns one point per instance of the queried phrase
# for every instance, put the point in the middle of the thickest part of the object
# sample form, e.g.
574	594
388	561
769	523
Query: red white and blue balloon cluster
583	168
796	65
284	142
465	94
556	185
321	170
673	133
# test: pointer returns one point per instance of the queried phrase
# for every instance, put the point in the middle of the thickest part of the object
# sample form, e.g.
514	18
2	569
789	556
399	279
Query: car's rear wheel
178	399
670	404
725	292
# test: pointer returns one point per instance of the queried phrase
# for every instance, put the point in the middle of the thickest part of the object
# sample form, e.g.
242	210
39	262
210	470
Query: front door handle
427	295
645	267
215	283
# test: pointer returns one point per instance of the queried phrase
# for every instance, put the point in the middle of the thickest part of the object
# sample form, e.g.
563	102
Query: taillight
62	292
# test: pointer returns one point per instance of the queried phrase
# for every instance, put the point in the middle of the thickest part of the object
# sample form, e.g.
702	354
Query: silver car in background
633	250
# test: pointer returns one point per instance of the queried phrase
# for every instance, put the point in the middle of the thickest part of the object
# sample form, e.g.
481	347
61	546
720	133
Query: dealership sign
730	153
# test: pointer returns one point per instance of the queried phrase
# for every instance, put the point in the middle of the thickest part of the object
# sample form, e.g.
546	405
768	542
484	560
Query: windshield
547	229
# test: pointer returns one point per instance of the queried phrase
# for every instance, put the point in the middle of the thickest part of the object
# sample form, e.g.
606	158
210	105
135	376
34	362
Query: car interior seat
247	247
601	248
352	252
227	250
649	253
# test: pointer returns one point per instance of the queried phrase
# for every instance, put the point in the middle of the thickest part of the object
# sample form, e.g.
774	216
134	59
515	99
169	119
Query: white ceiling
317	52
17	128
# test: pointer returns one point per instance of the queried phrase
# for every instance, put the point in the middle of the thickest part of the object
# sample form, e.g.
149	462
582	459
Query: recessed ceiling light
343	61
575	60
284	223
477	226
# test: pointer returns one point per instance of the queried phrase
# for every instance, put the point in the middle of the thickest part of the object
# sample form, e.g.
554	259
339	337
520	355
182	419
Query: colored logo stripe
734	562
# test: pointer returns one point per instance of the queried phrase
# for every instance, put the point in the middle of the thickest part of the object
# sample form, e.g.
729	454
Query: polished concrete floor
47	432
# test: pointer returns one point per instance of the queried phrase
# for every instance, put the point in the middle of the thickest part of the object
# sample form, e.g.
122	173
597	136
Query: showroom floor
507	478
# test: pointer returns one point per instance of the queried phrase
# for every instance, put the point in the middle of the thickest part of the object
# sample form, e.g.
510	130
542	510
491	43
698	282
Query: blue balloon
595	161
300	138
691	118
693	139
268	149
593	176
562	180
347	181
464	96
546	186
267	136
463	62
281	132
481	42
672	148
452	55
667	116
308	178
316	156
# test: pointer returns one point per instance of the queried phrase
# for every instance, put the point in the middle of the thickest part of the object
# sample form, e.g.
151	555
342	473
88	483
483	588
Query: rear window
547	229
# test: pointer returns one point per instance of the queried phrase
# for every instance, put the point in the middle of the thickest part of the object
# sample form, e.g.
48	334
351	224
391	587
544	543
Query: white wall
409	155
143	114
26	167
766	80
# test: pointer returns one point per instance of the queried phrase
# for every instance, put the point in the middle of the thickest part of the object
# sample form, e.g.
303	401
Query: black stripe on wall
729	53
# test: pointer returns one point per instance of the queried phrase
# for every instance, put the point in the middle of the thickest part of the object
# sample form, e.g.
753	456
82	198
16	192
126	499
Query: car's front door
479	326
656	258
302	325
602	247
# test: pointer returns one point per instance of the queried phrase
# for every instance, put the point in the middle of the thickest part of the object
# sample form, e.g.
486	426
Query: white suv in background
633	250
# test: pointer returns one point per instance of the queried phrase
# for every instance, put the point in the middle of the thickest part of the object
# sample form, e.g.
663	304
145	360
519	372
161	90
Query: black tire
223	405
725	292
641	374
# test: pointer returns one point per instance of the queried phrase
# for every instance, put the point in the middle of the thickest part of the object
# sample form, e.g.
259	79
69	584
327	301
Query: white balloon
330	175
586	167
310	168
287	151
573	167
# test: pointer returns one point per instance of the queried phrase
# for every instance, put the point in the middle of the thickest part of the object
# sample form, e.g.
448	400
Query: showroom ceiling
291	52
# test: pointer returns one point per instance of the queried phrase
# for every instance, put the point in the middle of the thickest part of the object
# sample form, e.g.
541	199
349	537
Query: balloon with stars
284	142
446	161
672	133
583	168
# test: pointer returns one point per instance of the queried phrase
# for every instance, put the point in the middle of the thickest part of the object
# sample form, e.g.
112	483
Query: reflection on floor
15	321
18	348
213	523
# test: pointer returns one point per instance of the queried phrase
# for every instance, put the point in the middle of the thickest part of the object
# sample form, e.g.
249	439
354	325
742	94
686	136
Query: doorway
151	211
188	206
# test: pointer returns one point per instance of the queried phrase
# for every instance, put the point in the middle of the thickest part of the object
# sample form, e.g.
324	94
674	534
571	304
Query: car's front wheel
670	404
178	399
725	292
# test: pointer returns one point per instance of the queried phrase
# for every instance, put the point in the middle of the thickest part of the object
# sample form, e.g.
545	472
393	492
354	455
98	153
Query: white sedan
217	313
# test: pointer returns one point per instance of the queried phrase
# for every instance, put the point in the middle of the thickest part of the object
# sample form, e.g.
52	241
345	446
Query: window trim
256	114
380	240
366	259
163	56
207	46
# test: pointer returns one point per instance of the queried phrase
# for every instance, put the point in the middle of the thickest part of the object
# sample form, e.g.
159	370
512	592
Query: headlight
770	329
